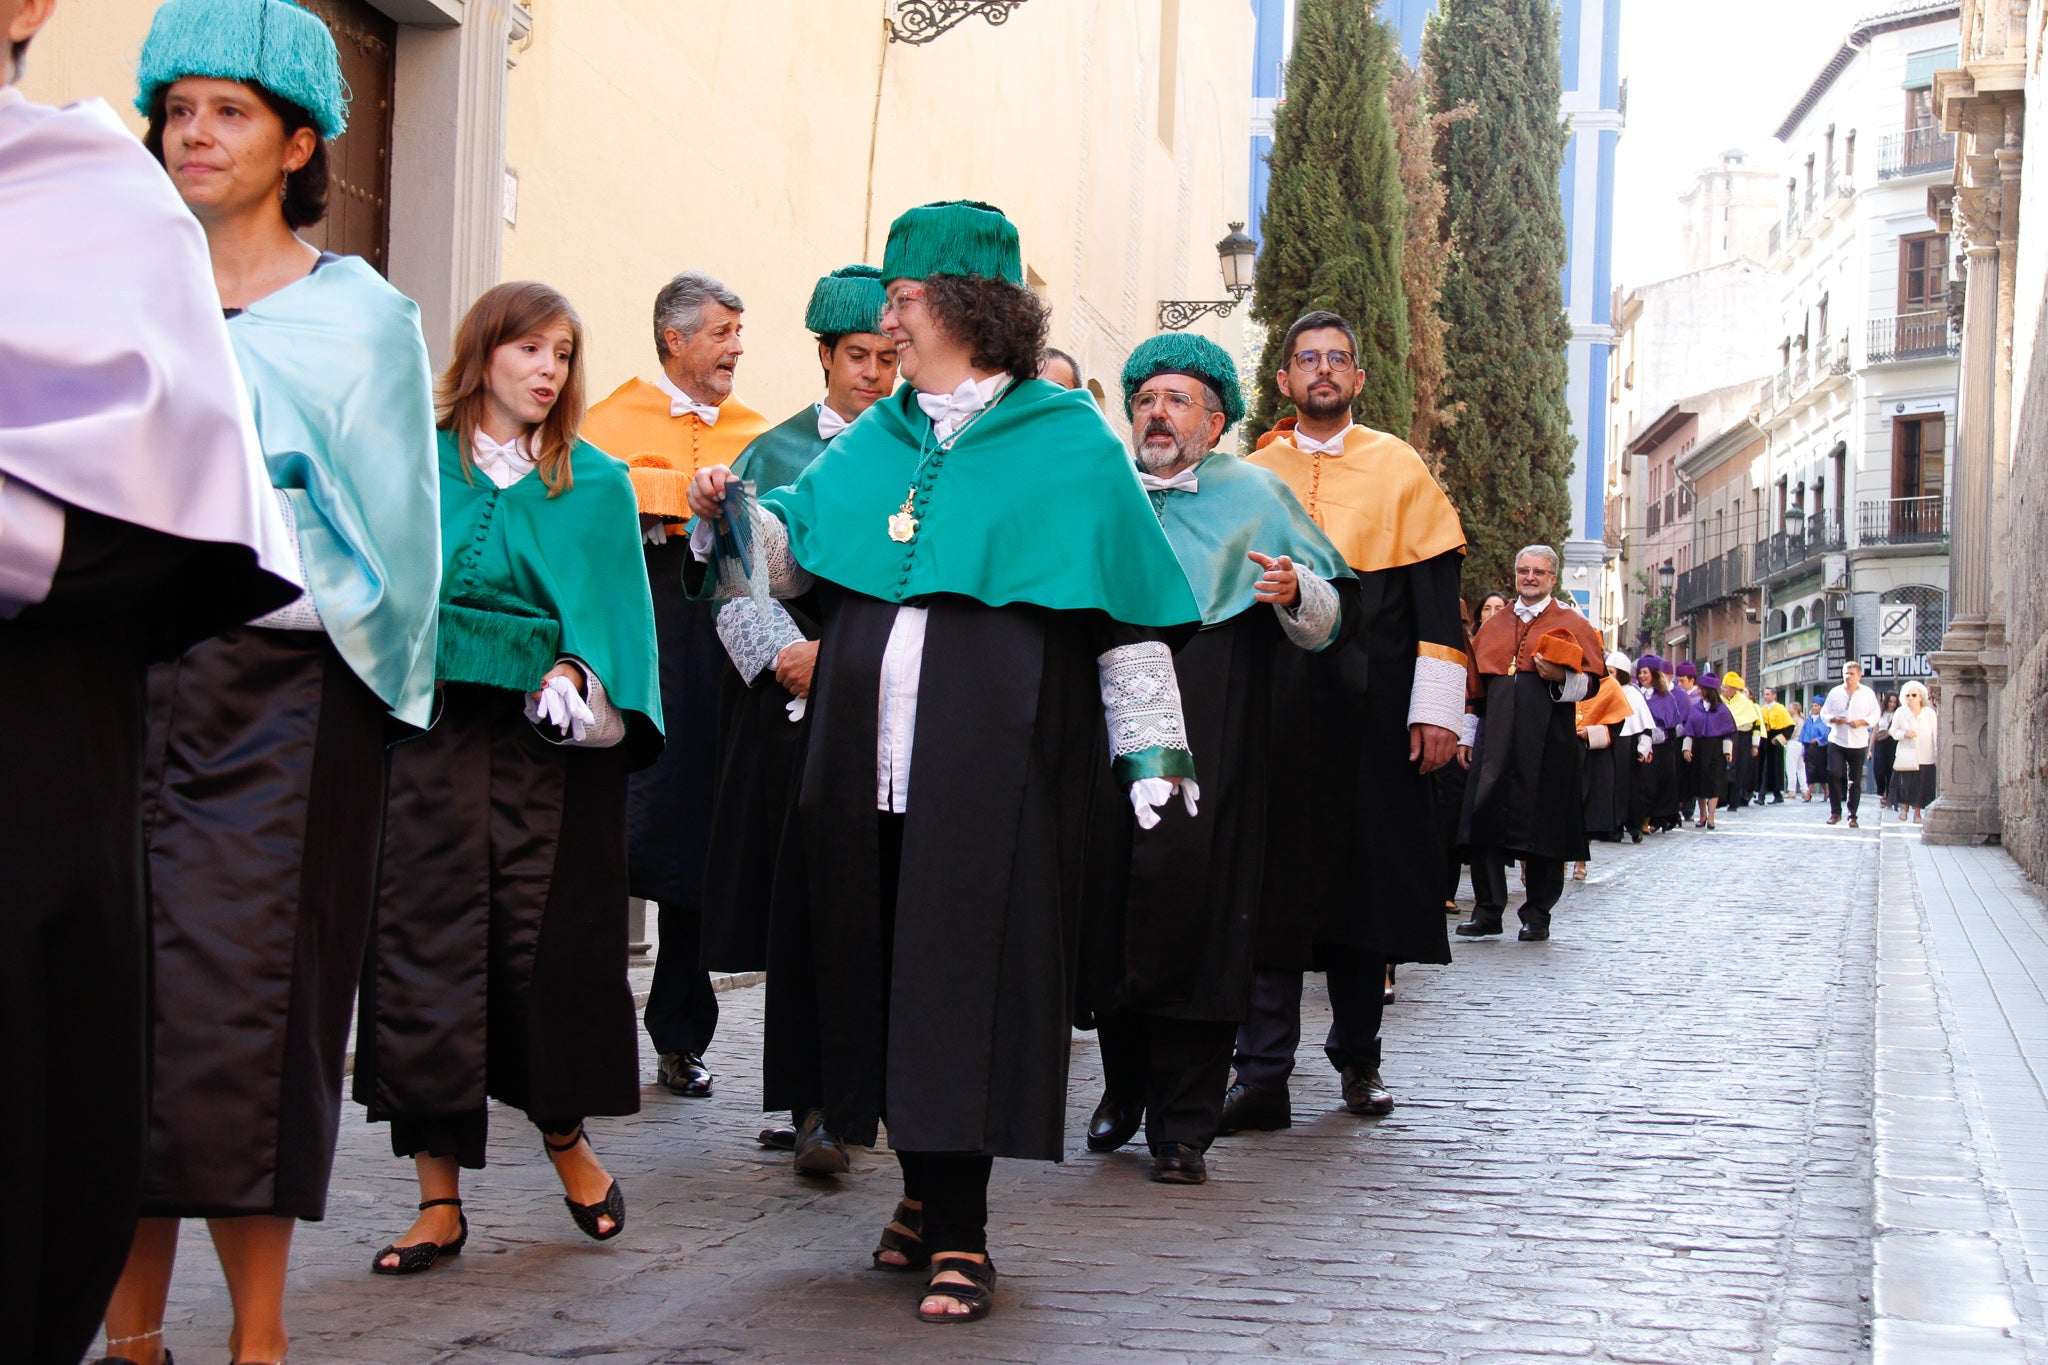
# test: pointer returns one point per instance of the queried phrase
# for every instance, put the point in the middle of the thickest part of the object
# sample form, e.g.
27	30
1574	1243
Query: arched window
1777	626
1798	616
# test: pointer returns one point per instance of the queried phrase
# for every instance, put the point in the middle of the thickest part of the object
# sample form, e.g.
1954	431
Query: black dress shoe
1113	1124
818	1152
781	1139
1176	1163
1536	930
1364	1095
1246	1109
1482	924
684	1073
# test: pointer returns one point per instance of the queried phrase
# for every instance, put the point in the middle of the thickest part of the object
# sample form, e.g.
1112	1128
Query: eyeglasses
903	298
1338	361
1145	403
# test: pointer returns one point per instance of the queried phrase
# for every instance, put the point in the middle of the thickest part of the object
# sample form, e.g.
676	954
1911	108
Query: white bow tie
1333	446
948	410
494	459
678	406
1183	482
1526	613
830	423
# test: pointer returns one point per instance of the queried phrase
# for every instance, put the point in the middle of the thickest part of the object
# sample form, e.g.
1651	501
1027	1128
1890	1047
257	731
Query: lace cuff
771	554
1438	696
753	638
1148	735
300	613
1311	622
1468	730
607	725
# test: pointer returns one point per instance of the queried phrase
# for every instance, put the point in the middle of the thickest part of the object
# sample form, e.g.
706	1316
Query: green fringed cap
271	43
957	237
1196	357
850	299
493	638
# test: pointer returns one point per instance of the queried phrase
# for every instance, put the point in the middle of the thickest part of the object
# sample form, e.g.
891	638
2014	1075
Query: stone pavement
1647	1140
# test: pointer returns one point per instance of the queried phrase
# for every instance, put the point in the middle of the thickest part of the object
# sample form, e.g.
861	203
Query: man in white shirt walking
1851	711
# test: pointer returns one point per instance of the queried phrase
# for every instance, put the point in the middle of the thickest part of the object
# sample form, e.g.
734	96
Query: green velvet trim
1153	762
958	237
1179	353
271	43
850	299
495	640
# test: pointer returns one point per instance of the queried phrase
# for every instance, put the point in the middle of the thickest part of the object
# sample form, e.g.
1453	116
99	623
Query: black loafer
781	1139
1482	924
1246	1109
1113	1124
1176	1163
1364	1095
1538	930
684	1073
818	1152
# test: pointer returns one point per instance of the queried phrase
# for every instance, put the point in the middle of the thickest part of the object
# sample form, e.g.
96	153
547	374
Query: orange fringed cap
1559	634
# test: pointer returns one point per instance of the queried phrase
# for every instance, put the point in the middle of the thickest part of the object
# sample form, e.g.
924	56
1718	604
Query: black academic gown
947	1012
1173	920
668	805
1525	794
1363	856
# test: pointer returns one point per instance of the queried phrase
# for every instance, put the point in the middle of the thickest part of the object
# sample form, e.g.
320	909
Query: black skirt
498	963
1914	786
1710	769
263	793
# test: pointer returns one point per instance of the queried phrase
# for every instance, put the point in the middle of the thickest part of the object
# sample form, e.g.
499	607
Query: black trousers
953	1187
682	1009
1177	1069
1845	777
1490	885
1266	1042
461	1136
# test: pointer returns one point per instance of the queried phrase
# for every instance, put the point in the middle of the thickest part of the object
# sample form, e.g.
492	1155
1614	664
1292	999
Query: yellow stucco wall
651	136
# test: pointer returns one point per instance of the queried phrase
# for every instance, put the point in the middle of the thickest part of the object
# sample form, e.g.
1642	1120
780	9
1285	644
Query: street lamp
1238	254
1666	576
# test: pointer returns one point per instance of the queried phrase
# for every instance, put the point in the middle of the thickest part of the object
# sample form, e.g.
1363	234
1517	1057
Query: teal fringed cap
271	43
850	299
1196	357
495	639
957	237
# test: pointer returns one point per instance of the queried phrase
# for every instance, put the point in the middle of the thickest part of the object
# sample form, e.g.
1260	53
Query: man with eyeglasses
1524	800
1167	966
1356	729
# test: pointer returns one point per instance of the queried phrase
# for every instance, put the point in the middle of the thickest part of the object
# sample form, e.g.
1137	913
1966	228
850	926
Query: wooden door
358	221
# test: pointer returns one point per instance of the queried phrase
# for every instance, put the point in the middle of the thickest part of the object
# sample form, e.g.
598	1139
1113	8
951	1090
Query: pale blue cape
1240	507
338	375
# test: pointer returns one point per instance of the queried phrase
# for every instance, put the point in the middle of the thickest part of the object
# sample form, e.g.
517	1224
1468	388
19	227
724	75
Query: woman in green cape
497	966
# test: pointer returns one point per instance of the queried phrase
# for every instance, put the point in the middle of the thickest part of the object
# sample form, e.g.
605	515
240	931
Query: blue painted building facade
1590	32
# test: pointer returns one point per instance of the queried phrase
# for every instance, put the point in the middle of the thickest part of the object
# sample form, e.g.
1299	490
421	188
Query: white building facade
1848	520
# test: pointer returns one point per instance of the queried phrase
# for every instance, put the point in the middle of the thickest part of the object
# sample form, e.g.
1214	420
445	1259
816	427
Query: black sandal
979	1294
612	1206
422	1255
909	1244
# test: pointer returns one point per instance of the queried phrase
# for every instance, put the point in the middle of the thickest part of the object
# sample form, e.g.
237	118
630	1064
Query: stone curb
1939	1289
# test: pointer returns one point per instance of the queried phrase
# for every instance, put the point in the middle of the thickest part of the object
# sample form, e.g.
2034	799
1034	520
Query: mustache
1158	427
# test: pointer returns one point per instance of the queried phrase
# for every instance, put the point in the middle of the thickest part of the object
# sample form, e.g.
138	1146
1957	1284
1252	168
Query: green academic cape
337	372
779	455
575	556
1035	502
1239	508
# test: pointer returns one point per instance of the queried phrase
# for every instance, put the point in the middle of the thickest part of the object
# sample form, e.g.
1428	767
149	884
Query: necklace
903	521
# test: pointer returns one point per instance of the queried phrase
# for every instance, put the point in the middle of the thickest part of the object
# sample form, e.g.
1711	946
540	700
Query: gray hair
1544	551
680	305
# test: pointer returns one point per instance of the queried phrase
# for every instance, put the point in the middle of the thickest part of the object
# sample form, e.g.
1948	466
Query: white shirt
1334	446
504	465
680	402
1841	707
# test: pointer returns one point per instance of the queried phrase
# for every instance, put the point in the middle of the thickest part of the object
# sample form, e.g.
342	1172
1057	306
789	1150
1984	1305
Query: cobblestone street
1647	1141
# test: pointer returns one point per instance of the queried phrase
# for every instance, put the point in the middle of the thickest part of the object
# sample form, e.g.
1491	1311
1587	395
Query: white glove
558	704
1687	745
796	708
1727	748
656	532
1150	792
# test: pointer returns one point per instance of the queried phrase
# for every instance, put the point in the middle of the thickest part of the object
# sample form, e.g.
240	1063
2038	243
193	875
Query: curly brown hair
1006	324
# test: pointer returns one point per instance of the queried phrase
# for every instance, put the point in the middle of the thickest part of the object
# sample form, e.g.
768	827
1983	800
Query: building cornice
1901	17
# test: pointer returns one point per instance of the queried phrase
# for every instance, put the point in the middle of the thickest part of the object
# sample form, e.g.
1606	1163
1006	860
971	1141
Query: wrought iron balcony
1717	580
1929	334
1789	550
1920	151
1902	521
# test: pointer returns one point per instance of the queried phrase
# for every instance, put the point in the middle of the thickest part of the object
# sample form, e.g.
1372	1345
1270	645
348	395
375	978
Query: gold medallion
902	523
1511	668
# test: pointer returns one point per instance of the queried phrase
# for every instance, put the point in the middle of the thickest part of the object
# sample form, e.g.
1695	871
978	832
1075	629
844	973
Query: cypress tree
1334	210
1425	251
1507	459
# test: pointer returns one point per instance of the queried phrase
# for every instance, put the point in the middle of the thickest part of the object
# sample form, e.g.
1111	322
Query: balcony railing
1778	238
1926	335
1902	521
1916	152
1790	550
1716	580
1799	372
1830	357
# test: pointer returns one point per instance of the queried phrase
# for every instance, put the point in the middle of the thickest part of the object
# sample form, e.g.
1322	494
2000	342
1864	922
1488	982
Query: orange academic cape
663	453
1376	501
1506	638
1605	707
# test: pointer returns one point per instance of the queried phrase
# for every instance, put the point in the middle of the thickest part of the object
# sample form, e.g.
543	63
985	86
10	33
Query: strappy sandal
979	1294
908	1243
124	1360
612	1206
422	1255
